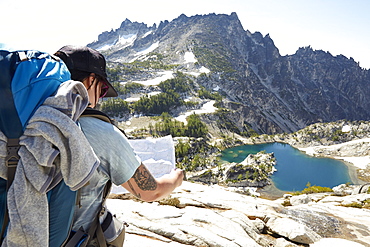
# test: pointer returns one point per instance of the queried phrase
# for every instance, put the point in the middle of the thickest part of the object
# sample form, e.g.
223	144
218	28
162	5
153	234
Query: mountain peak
272	93
125	22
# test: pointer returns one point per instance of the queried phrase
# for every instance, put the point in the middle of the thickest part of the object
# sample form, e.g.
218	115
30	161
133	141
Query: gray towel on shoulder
52	148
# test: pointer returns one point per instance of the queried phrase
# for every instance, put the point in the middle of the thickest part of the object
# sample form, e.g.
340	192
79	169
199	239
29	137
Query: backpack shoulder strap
96	228
90	112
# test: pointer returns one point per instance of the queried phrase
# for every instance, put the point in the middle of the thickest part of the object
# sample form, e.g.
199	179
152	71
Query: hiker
44	156
118	162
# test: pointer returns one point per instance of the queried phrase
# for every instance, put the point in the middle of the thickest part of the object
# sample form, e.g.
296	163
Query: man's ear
89	80
92	77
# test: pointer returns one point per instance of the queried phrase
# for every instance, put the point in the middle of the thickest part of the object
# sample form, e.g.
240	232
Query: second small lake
294	168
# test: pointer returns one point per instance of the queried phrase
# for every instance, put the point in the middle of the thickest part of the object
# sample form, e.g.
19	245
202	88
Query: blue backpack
27	78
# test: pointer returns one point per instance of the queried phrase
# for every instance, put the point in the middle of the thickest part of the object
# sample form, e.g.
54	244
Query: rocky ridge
262	90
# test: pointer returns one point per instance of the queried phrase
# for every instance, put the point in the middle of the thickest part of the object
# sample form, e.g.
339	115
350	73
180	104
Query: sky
335	26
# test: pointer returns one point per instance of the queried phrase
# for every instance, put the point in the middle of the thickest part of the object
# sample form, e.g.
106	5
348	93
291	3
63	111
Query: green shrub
170	201
179	84
182	149
353	205
115	107
205	94
169	126
312	189
131	87
157	104
195	127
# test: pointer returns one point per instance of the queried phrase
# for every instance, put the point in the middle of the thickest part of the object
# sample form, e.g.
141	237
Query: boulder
282	242
335	200
292	230
301	199
259	224
359	198
343	190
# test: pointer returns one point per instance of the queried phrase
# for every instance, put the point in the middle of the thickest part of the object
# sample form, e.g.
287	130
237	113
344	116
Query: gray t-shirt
118	162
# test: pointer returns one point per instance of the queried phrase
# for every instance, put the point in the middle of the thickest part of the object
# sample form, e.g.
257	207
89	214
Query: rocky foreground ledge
201	215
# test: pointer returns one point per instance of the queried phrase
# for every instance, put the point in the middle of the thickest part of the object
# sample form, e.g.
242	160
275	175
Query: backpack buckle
12	157
22	56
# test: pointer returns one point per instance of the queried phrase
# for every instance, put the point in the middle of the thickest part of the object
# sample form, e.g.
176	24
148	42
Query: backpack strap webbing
11	161
76	239
96	229
8	64
90	112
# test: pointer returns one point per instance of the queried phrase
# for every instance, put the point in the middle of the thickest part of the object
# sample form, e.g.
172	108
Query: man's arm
147	188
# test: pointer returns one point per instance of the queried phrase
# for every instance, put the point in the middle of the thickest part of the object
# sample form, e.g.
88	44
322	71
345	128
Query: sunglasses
104	89
104	86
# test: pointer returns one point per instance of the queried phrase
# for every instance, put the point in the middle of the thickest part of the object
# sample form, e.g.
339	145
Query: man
118	160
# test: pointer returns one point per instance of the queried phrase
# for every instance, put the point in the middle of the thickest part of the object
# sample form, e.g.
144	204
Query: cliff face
269	92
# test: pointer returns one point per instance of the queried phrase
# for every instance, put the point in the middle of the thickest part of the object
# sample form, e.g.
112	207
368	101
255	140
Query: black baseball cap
86	59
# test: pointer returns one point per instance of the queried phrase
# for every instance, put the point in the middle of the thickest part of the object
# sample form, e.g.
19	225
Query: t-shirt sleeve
117	157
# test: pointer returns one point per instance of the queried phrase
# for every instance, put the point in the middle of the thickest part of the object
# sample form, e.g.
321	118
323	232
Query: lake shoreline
352	172
352	166
271	192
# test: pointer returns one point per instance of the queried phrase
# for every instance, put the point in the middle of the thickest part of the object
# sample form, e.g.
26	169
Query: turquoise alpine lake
295	169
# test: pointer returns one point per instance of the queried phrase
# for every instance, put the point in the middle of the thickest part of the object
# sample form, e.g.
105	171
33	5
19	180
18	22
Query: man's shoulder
96	125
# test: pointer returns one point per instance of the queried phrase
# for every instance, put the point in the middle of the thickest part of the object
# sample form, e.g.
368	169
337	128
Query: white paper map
157	154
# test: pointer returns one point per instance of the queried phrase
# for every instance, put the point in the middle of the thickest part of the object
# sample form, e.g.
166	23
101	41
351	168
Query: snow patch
195	74
204	70
132	99
105	47
346	128
137	97
151	48
360	162
200	71
153	93
206	108
127	40
189	57
124	40
162	77
146	34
